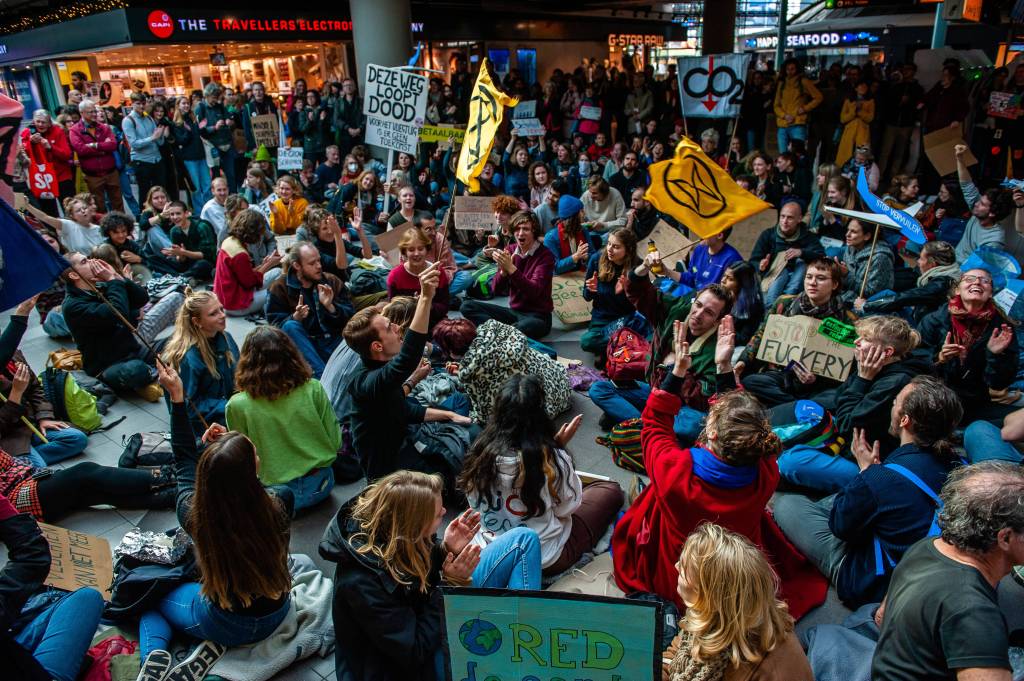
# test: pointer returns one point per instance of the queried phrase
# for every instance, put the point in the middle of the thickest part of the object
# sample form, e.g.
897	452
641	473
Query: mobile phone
797	366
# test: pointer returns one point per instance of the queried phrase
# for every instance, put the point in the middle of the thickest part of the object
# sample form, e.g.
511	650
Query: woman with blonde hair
289	208
154	225
80	233
404	279
387	604
204	354
722	637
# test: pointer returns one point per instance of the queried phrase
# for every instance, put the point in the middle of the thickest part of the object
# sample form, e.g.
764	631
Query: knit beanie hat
568	206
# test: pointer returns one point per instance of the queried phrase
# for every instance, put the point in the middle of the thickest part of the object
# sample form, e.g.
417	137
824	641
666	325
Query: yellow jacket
286	219
795	93
856	122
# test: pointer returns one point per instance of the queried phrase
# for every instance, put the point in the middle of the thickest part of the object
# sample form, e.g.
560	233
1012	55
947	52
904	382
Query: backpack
627	355
500	351
146	450
624	441
363	282
138	587
482	285
65	359
70	401
882	557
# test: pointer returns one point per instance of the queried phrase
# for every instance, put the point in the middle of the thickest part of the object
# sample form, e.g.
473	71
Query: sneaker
606	422
151	393
156	666
196	666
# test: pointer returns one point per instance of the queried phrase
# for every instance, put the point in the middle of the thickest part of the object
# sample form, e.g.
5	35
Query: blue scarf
711	469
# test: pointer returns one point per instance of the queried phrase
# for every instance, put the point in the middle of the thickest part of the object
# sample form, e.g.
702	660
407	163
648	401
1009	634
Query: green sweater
293	434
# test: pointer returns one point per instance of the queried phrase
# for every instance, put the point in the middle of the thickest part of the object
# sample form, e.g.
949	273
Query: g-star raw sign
394	104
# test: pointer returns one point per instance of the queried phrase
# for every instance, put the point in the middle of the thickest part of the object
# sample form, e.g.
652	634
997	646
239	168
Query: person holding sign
781	253
758	641
867	266
988	211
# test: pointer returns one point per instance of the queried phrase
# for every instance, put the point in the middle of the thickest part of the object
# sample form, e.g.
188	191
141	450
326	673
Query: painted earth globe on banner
480	637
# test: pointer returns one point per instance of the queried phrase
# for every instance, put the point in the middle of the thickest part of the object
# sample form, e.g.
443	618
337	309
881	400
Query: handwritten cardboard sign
394	103
289	158
78	560
264	130
1004	105
567	296
475	212
939	145
388	243
524	119
797	338
669	240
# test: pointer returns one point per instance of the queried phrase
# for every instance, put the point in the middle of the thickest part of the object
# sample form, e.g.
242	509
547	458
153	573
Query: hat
568	205
263	154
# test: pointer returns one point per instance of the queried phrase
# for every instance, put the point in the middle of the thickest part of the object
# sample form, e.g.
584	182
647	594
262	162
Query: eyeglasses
977	279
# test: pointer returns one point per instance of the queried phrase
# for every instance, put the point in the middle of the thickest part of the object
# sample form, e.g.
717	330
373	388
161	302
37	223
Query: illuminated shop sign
165	25
804	40
640	39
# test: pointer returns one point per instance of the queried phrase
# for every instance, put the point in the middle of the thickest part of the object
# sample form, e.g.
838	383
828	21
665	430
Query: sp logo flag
486	109
699	193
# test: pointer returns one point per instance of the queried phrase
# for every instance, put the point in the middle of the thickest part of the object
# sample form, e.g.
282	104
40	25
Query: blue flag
27	263
909	227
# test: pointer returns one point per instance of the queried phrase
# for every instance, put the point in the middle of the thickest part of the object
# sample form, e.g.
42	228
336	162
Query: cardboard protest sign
388	243
745	232
265	130
567	296
797	338
78	560
712	84
938	146
669	240
289	158
475	212
284	242
524	119
442	133
591	113
394	104
492	634
1004	105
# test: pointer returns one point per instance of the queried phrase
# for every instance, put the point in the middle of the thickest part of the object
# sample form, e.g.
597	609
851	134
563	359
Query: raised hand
459	569
301	310
681	349
213	433
171	381
951	350
429	280
592	283
325	294
870	360
1000	340
461	531
567	431
865	454
726	344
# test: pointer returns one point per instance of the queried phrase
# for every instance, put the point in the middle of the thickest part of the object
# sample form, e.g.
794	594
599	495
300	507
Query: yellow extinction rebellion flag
699	193
486	109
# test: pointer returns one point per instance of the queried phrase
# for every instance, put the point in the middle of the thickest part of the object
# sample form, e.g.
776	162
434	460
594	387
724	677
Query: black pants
149	175
88	484
535	325
777	387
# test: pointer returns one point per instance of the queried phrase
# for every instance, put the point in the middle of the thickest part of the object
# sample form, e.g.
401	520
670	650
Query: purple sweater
530	286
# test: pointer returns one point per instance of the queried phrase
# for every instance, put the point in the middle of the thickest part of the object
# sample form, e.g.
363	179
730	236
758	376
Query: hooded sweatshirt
552	526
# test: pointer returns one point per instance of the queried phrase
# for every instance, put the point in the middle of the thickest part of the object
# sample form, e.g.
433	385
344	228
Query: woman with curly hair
240	286
724	638
287	415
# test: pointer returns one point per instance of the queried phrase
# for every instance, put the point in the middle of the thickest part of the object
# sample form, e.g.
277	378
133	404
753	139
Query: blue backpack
882	558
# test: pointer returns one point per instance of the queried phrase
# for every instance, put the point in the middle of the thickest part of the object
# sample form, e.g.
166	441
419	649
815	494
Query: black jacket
924	299
283	297
770	243
981	369
384	631
102	338
28	564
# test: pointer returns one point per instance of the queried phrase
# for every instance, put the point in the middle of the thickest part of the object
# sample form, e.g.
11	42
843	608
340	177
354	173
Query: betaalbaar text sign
395	103
498	635
797	338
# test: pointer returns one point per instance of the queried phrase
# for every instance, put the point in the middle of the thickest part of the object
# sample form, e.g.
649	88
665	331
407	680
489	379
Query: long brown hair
270	366
393	514
605	267
240	531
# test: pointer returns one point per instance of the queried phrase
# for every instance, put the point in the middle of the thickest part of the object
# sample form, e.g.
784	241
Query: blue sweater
607	304
209	394
882	503
517	181
566	264
705	268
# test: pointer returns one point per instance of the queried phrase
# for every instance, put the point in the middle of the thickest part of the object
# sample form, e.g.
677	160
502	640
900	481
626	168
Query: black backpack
138	586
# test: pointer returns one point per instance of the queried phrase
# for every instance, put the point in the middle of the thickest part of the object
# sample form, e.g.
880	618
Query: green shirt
200	237
293	434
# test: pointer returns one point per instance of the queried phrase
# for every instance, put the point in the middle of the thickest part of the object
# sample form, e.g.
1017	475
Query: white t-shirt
78	238
503	511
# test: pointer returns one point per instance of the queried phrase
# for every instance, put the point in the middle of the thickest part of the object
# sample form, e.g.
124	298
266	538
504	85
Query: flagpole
728	150
871	256
28	423
685	248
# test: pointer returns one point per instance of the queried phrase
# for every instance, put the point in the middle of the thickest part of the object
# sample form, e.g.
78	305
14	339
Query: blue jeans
793	132
312	488
316	350
186	610
791	282
59	636
812	468
199	172
984	442
461	281
511	561
628	401
127	173
63	444
55	326
457	402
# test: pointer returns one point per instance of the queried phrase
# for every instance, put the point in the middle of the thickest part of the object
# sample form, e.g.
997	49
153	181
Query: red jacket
95	161
649	537
59	153
235	280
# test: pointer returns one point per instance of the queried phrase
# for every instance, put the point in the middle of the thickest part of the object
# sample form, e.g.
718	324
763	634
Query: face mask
352	167
584	168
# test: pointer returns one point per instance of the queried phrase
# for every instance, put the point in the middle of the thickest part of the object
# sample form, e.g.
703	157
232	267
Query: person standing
258	105
348	118
215	126
189	147
795	97
94	143
904	103
143	136
46	142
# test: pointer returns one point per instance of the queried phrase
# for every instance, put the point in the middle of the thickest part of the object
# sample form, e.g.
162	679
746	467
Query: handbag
42	175
139	586
68	360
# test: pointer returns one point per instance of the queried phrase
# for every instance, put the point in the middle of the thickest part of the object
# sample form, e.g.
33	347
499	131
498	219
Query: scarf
952	271
802	305
564	247
713	470
968	326
685	668
787	239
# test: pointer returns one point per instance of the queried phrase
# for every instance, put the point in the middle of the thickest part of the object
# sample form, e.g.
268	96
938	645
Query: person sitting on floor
785	251
858	535
526	267
204	354
939	273
239	534
193	249
109	350
309	305
288	209
520	455
118	227
239	285
286	413
323	231
569	242
864	275
605	289
403	280
728	477
722	637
